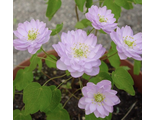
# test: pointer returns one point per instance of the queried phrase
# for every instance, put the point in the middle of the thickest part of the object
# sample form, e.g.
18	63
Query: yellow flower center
102	19
32	34
129	42
99	97
80	50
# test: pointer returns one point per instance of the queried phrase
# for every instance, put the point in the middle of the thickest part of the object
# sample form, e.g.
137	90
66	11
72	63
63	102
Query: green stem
52	79
63	82
46	59
80	83
77	15
91	30
71	96
110	56
47	54
59	36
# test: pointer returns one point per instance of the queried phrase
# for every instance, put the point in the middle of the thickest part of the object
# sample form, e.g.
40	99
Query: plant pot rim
136	78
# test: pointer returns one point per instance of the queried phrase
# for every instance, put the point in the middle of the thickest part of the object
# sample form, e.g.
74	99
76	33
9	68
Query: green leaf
116	10
23	78
58	113
114	60
40	65
93	117
85	76
125	67
137	67
89	3
36	97
138	1
83	24
101	31
124	3
80	4
101	2
103	67
57	29
53	6
19	115
50	62
55	99
101	76
34	60
123	80
67	72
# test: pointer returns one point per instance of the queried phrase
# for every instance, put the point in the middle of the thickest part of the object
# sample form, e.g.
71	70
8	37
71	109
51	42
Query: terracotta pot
137	78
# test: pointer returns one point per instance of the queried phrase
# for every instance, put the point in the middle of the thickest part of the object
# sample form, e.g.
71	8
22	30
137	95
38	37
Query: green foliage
34	61
125	67
93	117
59	113
137	67
89	3
55	99
50	62
114	60
80	4
57	29
53	6
67	72
101	76
83	24
85	76
103	67
101	31
138	1
123	80
36	97
23	78
127	4
116	10
19	115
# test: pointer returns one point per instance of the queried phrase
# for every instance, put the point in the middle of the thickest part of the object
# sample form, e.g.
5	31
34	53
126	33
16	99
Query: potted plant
92	75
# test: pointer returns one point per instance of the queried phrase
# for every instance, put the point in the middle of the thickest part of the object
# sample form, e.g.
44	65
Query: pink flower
31	35
127	44
79	53
101	18
98	99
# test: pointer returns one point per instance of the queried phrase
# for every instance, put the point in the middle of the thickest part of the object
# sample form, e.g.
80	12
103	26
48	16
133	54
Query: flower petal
61	65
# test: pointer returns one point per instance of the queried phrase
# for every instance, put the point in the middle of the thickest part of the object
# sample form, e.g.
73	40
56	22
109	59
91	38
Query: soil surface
120	110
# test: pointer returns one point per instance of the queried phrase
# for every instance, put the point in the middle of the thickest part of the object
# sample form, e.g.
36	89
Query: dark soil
78	114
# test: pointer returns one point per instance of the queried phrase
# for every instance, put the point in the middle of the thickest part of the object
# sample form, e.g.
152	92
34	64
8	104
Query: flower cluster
79	53
98	99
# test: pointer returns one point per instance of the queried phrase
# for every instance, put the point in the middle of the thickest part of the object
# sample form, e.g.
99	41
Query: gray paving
25	10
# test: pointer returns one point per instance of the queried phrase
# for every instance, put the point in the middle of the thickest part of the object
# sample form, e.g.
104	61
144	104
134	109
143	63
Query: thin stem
77	15
129	110
110	56
59	36
23	108
49	77
63	82
70	97
52	79
91	30
46	59
47	54
96	31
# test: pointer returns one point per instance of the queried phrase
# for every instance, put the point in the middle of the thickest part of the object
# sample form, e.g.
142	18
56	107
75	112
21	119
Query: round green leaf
57	29
123	80
58	114
80	4
19	115
103	67
36	97
50	62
